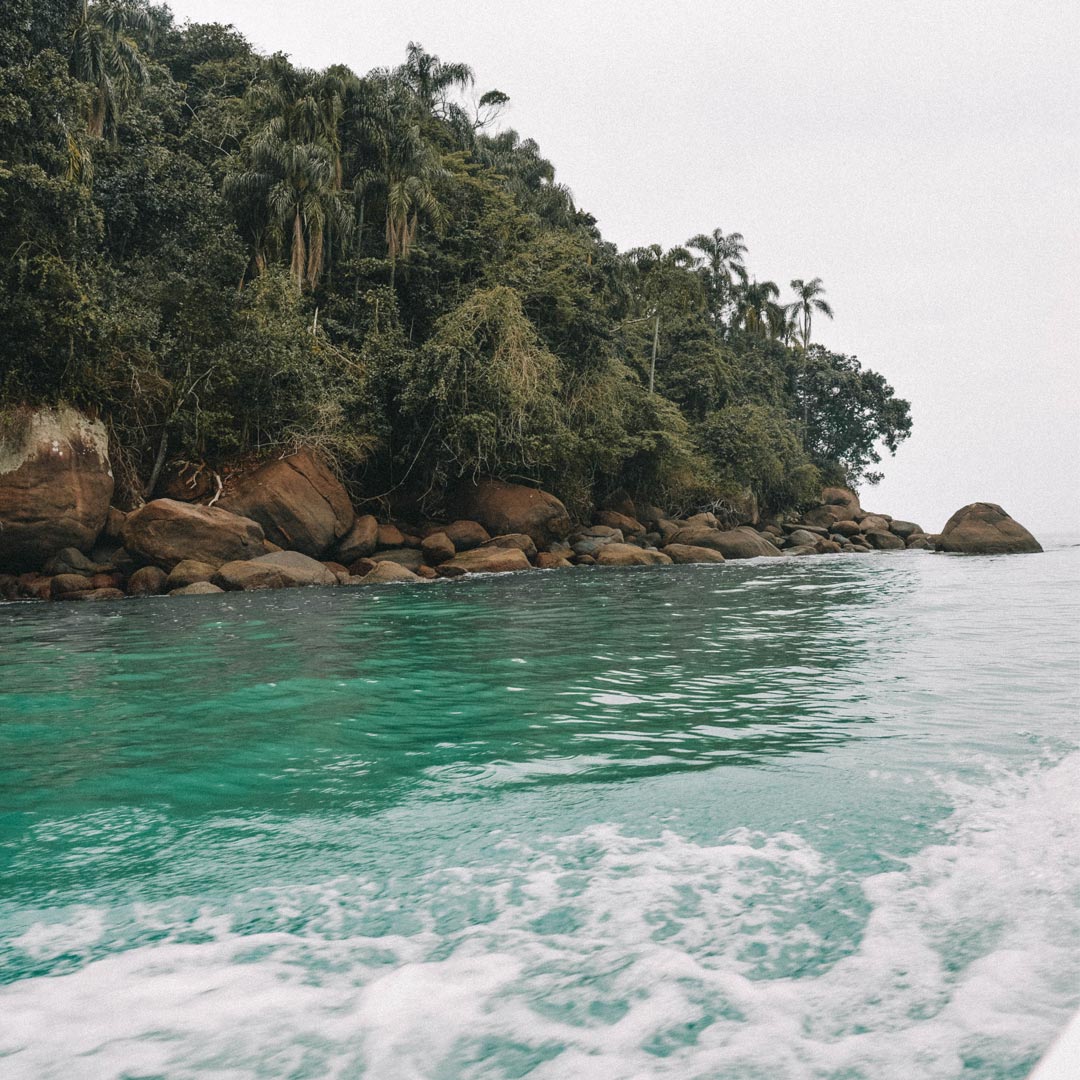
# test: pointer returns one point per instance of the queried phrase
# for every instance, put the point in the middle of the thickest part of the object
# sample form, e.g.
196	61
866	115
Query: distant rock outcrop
55	484
985	529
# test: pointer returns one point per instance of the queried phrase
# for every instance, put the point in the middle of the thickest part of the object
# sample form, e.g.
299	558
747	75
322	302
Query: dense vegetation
223	254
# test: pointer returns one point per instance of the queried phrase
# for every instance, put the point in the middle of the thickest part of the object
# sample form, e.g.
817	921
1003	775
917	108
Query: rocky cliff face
55	484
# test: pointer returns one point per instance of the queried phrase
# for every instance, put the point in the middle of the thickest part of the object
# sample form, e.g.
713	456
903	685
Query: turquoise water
789	819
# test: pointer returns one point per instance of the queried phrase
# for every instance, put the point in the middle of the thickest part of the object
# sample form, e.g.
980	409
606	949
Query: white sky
922	158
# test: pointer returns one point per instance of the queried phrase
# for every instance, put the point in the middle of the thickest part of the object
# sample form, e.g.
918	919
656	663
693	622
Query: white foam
604	957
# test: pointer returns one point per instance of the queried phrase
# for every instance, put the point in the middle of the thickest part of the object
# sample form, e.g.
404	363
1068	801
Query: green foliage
224	255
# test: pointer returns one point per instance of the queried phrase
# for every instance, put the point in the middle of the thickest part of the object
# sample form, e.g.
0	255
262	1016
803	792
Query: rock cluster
290	523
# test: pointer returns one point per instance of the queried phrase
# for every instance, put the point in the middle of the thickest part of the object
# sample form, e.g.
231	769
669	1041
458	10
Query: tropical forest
223	255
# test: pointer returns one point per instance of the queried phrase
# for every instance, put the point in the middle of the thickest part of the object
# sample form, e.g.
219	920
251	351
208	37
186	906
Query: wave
600	955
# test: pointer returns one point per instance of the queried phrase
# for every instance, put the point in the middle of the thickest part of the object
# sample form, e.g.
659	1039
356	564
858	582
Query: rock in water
985	529
166	532
279	570
488	560
741	543
298	501
512	508
55	484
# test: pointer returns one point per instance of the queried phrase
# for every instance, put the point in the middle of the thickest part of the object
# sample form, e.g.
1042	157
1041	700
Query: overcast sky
923	159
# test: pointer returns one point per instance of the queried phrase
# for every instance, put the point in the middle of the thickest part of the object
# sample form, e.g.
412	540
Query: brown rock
114	523
548	560
985	529
196	588
803	536
361	539
521	541
584	560
388	536
490	560
874	523
94	594
410	558
149	581
166	532
630	555
189	572
627	525
649	515
283	570
826	516
55	484
705	520
741	543
106	581
883	540
919	543
512	508
847	528
466	535
842	497
387	573
438	548
827	547
298	501
688	553
62	584
426	572
904	529
72	561
449	570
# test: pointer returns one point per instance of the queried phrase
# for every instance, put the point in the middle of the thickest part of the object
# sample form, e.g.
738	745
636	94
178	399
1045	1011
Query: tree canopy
223	254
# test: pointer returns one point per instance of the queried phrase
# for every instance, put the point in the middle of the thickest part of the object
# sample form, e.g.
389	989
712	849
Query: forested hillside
224	255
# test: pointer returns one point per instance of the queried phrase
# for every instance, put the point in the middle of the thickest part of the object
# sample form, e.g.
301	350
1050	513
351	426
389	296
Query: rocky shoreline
290	523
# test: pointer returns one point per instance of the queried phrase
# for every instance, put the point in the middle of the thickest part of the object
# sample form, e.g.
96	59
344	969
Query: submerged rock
55	484
197	588
985	529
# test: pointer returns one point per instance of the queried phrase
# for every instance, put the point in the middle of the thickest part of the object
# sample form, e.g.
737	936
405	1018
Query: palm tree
808	300
723	262
754	307
292	186
431	80
105	55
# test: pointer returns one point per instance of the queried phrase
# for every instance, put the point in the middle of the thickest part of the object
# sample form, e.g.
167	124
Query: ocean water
783	819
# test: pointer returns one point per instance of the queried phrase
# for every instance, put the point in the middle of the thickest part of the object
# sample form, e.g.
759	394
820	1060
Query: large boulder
166	532
688	553
630	555
843	498
298	501
488	560
361	539
190	572
985	529
504	508
883	540
626	524
279	570
741	543
55	484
